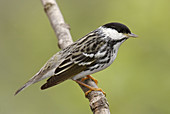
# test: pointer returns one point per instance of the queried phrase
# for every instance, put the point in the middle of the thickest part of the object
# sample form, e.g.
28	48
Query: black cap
121	28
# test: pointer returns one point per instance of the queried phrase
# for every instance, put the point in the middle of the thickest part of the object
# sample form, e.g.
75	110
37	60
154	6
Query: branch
98	101
56	19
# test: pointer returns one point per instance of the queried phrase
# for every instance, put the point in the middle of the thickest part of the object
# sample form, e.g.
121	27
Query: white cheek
112	33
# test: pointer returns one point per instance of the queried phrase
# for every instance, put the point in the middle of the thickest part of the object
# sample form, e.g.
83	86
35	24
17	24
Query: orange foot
89	77
89	87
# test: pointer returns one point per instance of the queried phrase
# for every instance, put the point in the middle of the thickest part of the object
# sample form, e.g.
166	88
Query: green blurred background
138	82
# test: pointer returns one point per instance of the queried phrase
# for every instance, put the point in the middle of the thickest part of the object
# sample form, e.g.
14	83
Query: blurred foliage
138	82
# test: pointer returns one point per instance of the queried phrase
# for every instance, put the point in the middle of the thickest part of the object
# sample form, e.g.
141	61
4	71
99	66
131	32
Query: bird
90	54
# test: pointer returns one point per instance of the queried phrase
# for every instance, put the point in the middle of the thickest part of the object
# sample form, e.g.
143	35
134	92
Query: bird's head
117	31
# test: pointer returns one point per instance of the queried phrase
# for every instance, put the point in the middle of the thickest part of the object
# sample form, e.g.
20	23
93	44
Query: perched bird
91	53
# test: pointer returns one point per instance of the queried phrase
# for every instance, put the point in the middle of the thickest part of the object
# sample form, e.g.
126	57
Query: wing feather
81	55
64	73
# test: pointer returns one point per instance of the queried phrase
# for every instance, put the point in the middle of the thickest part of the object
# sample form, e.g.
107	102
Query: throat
116	44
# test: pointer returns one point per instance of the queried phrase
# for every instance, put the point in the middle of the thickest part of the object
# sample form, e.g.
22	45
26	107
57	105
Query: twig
98	101
56	19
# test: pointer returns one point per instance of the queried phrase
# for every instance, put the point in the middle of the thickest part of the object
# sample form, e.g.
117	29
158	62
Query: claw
95	89
90	88
89	77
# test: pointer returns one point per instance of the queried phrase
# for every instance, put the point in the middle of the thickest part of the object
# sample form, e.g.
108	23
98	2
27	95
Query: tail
31	81
23	87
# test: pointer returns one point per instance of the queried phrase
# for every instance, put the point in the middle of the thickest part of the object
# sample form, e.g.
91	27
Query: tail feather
23	87
36	78
33	80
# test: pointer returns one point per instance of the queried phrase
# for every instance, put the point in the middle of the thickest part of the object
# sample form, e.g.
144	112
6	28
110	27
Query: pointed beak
132	35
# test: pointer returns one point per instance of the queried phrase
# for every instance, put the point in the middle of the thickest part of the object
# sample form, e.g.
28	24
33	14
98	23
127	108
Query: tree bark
98	101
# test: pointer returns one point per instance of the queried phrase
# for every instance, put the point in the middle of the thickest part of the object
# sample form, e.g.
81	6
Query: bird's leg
89	87
89	77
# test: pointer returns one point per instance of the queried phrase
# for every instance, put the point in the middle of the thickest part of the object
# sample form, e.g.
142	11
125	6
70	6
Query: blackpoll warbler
92	53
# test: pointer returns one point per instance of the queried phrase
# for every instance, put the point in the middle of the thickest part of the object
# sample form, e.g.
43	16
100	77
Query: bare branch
56	19
98	101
